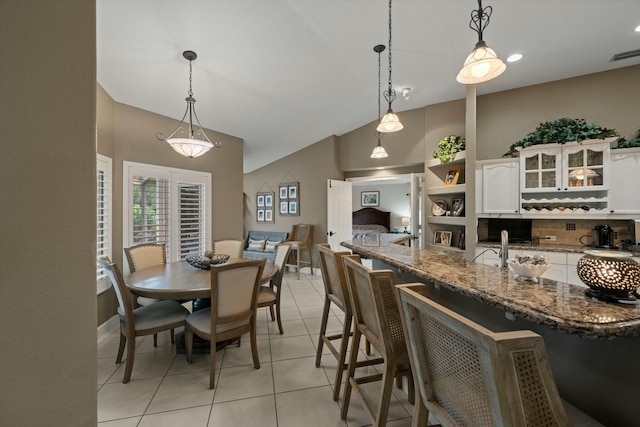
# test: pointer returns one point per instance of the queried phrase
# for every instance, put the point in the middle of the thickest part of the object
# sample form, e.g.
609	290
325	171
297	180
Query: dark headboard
372	216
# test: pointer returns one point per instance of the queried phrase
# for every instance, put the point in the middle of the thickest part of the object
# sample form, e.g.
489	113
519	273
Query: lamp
390	121
576	176
405	222
611	276
482	64
194	142
379	152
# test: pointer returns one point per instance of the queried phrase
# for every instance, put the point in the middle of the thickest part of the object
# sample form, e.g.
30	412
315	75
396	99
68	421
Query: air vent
625	55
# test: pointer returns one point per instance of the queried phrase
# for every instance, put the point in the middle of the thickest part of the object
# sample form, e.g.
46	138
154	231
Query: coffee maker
602	237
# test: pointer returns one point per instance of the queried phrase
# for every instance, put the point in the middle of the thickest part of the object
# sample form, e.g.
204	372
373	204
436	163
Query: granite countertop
529	247
557	305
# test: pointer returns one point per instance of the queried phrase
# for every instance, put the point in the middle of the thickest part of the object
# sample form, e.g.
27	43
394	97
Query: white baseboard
108	327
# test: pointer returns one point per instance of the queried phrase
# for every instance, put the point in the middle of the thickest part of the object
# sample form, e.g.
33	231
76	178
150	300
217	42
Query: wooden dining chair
234	301
377	318
469	375
230	247
269	296
145	255
165	315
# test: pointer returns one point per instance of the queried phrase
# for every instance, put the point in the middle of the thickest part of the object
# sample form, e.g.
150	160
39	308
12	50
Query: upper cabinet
625	176
571	177
500	186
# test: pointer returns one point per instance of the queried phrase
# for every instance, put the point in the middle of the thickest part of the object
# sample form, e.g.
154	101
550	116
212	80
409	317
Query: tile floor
287	391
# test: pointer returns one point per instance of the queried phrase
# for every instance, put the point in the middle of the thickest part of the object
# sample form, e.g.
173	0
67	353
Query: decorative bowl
529	267
204	262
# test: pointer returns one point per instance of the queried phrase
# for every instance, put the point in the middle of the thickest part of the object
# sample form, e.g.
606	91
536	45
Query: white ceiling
284	74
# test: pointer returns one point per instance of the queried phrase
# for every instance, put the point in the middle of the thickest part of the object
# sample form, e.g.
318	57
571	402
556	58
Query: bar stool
301	237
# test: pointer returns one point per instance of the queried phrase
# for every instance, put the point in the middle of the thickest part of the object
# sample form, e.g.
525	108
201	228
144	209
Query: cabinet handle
559	189
565	189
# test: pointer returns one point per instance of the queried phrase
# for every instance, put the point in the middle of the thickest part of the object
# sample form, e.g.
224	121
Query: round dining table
179	281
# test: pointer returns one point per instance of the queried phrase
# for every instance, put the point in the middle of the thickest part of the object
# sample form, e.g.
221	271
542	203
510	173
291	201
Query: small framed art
293	207
268	200
442	238
284	208
264	203
452	177
370	198
260	215
284	192
260	200
268	215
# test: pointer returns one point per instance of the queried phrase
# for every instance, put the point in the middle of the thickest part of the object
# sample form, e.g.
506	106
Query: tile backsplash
568	231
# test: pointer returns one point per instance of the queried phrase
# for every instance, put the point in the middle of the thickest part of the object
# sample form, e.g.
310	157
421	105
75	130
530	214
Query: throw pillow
271	245
256	245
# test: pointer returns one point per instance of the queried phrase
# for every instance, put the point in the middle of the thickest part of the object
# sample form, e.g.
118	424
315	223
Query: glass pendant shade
389	123
190	147
379	152
481	65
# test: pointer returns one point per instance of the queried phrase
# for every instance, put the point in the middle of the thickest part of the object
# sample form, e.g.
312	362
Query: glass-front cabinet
562	178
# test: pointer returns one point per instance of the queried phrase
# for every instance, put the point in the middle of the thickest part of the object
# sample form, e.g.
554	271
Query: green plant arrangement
448	147
624	143
560	131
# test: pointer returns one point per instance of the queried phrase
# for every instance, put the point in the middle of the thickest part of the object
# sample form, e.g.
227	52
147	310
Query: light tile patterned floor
287	391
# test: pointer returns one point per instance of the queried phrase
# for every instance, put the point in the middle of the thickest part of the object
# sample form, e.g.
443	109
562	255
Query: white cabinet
567	177
625	178
500	185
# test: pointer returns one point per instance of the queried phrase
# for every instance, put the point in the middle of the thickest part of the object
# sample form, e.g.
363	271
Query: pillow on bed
256	245
270	246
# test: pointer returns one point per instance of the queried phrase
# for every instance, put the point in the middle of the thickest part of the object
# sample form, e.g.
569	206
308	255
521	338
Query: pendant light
390	122
482	64
379	152
194	141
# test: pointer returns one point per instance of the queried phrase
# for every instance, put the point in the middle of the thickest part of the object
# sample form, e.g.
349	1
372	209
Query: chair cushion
266	295
256	245
166	312
200	321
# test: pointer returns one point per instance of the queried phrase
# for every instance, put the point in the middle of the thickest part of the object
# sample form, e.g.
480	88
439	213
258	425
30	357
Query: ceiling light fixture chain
390	122
379	152
482	64
478	17
190	146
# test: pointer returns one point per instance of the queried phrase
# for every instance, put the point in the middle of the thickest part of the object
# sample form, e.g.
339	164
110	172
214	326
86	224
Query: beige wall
128	133
48	357
608	99
311	167
405	148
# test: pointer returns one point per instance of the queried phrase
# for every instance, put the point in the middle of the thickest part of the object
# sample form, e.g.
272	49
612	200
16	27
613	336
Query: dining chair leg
173	337
131	351
254	347
123	342
273	313
212	363
155	340
279	317
298	251
385	396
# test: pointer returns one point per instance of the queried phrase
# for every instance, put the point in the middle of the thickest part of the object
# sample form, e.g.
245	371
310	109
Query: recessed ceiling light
380	167
515	57
638	29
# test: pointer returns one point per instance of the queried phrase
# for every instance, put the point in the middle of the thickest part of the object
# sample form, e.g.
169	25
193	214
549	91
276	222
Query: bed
370	220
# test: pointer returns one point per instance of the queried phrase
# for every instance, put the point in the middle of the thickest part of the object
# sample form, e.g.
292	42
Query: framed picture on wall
260	215
293	191
268	200
370	198
293	207
284	192
268	215
284	208
260	200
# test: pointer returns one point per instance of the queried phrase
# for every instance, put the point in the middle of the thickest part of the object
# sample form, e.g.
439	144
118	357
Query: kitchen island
593	346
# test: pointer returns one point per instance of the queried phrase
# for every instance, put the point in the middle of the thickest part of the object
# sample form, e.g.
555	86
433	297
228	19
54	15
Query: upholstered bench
262	244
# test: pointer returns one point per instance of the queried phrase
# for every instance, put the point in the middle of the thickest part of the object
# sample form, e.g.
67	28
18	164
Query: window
166	205
103	219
